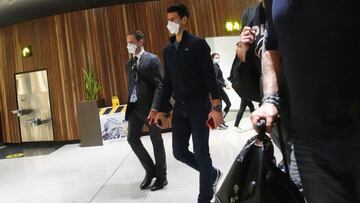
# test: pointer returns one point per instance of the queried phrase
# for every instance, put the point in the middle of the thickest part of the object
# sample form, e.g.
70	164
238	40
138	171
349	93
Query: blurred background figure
221	85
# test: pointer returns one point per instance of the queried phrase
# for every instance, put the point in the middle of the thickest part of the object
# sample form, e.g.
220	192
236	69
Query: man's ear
184	20
141	42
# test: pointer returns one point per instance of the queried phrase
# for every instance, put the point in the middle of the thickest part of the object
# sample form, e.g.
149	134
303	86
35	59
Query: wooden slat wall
65	44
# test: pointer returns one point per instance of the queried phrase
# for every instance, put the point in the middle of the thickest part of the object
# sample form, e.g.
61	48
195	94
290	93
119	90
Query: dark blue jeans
190	119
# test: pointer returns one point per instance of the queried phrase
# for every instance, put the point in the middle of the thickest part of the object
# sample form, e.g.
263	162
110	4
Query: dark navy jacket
189	72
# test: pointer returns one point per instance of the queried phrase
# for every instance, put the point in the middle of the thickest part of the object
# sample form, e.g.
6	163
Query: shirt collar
173	38
140	53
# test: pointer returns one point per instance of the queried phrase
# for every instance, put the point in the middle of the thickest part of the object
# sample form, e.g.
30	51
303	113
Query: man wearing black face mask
145	81
190	79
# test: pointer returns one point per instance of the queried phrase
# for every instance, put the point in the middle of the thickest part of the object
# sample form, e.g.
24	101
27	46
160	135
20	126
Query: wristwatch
217	107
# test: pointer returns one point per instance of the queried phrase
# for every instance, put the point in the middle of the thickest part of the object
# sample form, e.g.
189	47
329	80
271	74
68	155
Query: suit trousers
135	127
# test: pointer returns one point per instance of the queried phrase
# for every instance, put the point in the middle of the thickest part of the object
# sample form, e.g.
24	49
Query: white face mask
131	48
173	27
216	60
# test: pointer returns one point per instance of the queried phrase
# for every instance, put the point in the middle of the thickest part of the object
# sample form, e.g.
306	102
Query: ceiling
15	11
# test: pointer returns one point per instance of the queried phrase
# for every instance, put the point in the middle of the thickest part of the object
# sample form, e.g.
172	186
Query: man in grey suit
145	74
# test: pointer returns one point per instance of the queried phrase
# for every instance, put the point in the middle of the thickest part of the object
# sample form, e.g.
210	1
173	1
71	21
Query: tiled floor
28	150
110	173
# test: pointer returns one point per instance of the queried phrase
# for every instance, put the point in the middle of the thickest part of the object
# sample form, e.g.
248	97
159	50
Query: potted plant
92	87
87	111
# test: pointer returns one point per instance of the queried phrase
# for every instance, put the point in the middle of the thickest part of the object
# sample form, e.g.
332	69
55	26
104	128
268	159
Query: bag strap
260	125
282	146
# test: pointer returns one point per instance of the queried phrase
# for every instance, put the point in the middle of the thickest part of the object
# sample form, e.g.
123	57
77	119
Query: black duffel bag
254	177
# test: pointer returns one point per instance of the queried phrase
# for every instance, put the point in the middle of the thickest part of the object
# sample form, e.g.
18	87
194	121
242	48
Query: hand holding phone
159	122
210	123
152	121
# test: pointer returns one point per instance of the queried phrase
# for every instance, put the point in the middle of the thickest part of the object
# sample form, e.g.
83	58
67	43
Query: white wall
226	47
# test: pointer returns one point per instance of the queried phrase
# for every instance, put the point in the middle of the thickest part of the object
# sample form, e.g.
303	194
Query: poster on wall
113	124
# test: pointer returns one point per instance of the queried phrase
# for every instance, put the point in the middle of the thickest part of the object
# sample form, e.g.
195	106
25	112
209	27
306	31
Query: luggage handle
261	127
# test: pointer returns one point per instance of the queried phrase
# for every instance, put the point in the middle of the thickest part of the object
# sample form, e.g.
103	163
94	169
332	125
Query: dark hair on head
138	35
214	54
181	9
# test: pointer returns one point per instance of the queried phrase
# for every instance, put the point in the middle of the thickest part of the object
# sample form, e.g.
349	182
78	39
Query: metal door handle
18	112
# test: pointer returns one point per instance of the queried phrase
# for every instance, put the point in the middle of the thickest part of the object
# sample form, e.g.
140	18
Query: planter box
89	124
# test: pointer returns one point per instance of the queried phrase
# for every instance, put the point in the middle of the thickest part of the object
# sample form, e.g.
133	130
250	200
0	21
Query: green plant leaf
92	87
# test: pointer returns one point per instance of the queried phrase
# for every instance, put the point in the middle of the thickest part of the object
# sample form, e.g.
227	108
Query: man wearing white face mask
190	79
145	74
221	85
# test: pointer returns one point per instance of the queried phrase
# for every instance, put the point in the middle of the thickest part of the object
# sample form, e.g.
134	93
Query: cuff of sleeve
217	108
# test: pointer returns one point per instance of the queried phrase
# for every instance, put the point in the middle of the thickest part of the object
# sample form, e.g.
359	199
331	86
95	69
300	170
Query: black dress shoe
159	184
147	181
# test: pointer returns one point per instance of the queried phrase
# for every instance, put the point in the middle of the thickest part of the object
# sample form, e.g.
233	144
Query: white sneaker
219	174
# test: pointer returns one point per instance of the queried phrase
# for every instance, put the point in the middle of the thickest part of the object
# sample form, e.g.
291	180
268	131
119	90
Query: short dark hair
214	54
181	9
138	35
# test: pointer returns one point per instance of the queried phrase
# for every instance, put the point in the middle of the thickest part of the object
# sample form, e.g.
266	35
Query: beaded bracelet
272	99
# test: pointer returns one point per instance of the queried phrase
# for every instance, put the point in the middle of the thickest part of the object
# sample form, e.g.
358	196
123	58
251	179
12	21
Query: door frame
17	103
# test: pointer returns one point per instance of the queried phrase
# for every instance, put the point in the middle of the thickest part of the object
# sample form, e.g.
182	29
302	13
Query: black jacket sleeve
221	79
157	81
219	76
206	67
167	89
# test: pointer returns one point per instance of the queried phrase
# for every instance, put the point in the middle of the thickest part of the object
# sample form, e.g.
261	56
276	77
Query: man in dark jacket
190	79
145	81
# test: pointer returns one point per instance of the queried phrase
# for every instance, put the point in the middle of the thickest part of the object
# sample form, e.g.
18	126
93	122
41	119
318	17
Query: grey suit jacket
148	85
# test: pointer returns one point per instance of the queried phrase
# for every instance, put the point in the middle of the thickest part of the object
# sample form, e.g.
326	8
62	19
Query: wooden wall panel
10	124
96	38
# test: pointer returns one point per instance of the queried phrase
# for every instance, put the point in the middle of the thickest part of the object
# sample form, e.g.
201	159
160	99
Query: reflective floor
8	152
111	173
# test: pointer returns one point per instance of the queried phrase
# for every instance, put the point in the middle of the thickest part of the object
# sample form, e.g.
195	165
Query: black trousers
288	145
224	97
243	105
326	181
135	126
